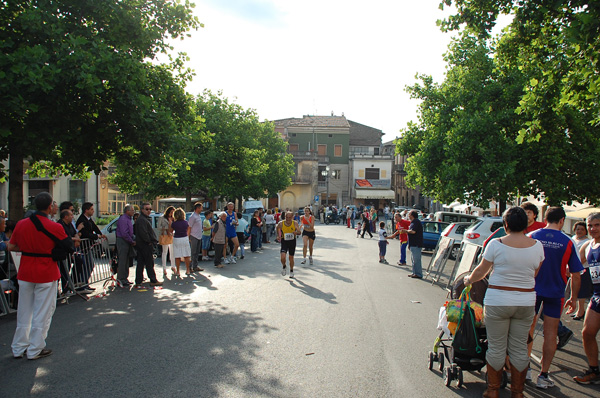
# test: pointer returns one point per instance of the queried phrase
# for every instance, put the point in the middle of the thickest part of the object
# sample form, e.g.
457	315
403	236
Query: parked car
482	229
448	216
456	231
432	230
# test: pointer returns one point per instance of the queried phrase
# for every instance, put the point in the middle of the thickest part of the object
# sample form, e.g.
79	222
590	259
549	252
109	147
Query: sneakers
564	339
242	257
544	382
44	353
283	271
232	260
226	261
303	261
529	377
205	258
589	377
292	274
310	260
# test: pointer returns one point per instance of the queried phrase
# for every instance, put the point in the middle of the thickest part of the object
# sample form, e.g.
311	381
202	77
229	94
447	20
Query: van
450	217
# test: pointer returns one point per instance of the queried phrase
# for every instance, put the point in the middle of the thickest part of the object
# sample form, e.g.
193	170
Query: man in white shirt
195	233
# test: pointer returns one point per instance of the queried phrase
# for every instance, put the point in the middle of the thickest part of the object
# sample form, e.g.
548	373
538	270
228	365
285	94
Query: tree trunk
15	183
501	207
188	200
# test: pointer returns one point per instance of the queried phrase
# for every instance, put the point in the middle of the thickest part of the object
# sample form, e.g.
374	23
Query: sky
293	58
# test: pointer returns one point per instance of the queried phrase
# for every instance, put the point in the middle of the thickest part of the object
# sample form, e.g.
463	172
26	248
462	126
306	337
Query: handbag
466	339
455	308
165	239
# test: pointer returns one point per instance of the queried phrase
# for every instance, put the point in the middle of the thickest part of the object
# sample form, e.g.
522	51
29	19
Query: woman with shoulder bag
509	303
165	239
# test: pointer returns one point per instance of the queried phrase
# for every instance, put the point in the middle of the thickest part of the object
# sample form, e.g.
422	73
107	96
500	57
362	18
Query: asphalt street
347	326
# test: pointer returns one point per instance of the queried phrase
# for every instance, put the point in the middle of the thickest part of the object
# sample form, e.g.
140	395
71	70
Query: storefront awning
374	194
582	213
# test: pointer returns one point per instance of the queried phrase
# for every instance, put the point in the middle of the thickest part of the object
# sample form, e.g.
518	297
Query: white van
450	217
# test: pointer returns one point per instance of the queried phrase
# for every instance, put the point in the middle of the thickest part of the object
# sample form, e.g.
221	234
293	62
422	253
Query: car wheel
454	252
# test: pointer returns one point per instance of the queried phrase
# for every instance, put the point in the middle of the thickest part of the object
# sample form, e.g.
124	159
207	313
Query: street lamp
326	173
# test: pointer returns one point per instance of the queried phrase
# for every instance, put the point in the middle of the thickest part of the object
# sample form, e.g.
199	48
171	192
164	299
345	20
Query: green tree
78	85
231	155
248	158
556	46
463	145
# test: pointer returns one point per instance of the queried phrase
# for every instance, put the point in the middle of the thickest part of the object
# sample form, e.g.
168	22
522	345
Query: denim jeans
416	261
403	252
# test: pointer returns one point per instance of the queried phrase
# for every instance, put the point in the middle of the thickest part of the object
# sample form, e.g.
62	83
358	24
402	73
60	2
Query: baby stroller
457	362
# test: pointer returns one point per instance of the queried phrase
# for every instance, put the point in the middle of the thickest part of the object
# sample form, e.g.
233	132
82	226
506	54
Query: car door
431	233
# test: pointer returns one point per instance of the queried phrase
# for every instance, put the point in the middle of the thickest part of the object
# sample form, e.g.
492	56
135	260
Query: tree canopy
516	115
231	154
79	84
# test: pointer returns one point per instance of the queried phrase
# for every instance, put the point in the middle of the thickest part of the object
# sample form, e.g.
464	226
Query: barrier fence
91	263
465	260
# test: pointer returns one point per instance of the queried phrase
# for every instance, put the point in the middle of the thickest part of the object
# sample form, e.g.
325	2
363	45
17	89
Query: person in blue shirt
550	284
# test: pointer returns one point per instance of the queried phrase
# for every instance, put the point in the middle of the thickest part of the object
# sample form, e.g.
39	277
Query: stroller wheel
441	361
447	374
459	376
431	360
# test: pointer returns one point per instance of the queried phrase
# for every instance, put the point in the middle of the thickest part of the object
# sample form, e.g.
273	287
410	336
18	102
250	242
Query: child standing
382	242
358	229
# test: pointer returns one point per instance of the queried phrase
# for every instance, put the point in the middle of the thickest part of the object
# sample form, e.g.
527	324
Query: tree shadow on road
146	343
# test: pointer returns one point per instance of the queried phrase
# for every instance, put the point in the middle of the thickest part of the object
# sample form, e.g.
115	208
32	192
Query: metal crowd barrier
91	263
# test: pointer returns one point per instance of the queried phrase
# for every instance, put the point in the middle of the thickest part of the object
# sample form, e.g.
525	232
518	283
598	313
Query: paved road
345	327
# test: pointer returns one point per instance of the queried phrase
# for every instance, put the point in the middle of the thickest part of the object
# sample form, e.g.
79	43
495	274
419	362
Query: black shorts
288	246
311	234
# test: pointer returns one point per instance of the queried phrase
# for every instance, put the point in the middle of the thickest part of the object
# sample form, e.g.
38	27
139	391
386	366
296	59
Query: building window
116	202
294	148
330	135
376	151
77	191
36	187
372	174
337	150
322	149
335	174
292	134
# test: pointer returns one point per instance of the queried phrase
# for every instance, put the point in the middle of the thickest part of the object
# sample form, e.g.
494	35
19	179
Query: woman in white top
270	221
509	303
586	288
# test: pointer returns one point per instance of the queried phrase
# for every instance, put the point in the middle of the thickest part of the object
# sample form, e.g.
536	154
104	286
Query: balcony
398	168
303	179
309	155
370	156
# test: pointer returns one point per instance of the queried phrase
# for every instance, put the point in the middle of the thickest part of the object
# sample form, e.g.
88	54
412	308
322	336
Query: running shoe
529	377
384	261
589	377
303	261
123	283
232	260
292	274
226	261
563	339
310	260
544	382
283	271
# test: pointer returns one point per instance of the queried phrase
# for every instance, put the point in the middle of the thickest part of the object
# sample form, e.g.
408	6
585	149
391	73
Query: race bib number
288	236
595	274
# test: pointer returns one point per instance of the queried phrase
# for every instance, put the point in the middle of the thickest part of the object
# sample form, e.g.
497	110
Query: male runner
590	252
287	230
550	283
